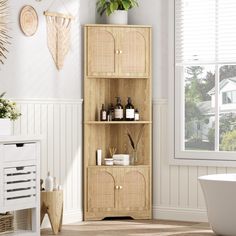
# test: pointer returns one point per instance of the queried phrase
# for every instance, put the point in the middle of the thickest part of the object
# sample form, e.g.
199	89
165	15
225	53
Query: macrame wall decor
4	30
58	35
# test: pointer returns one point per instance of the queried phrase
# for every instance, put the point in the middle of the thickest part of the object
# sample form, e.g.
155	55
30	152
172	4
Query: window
205	79
229	97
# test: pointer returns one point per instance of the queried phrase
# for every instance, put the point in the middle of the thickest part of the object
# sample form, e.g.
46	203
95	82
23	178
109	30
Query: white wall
29	71
154	13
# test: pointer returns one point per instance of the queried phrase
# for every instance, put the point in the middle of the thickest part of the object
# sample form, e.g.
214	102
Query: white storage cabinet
20	178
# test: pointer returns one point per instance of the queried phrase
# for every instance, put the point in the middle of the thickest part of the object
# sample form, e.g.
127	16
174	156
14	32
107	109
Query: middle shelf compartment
116	136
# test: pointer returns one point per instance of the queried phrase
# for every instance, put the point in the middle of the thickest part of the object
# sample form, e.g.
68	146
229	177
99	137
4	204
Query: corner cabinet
117	63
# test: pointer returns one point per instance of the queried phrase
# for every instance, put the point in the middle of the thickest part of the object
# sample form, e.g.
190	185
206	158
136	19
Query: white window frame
177	155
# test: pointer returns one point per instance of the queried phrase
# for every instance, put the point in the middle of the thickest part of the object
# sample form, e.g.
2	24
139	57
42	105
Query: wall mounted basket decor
28	20
4	36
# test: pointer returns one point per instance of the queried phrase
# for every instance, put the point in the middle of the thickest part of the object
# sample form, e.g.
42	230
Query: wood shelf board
111	77
117	122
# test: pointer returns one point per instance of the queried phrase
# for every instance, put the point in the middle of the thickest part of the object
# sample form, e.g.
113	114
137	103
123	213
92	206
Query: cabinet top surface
10	139
122	26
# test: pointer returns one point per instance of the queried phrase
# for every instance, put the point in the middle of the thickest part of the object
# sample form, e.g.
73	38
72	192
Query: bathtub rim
218	177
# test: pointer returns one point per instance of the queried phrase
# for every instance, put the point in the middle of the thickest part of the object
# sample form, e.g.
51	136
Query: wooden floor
134	228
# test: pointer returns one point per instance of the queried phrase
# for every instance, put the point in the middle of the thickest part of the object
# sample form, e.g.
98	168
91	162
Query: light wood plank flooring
134	228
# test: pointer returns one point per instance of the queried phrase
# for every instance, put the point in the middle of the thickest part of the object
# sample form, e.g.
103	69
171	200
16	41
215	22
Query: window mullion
217	108
217	79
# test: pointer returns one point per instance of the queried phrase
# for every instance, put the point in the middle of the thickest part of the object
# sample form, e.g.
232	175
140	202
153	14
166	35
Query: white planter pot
5	127
118	17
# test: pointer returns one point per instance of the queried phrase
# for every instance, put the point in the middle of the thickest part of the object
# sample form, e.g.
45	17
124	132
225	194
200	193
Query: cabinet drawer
19	152
19	185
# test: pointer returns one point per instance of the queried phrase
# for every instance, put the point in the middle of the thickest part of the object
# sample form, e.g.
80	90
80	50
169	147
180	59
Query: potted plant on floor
116	10
8	113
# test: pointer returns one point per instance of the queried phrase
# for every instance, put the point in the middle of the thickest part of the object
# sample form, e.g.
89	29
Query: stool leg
62	210
43	213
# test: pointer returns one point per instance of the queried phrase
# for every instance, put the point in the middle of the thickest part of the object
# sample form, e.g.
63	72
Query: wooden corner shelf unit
117	63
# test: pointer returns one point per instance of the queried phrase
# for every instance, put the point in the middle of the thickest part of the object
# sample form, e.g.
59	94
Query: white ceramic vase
49	183
5	127
119	17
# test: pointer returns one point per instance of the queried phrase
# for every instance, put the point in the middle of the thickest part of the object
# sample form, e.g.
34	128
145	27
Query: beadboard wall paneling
59	122
177	192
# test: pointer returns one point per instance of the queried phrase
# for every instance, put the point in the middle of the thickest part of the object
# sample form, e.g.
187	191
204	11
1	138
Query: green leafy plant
229	141
8	109
109	6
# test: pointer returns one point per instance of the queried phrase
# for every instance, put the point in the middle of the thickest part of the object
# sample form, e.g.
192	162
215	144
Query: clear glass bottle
103	113
129	110
112	111
119	113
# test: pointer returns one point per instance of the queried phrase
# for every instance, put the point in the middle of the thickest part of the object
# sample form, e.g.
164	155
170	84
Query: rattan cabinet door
101	190
134	52
101	51
134	192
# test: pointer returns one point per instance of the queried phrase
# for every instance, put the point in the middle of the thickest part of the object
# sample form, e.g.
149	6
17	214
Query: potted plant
8	113
116	10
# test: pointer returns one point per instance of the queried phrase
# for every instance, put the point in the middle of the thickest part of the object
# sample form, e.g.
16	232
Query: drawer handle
20	144
20	168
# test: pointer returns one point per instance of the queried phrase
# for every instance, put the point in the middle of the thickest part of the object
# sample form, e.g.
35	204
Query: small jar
108	161
136	115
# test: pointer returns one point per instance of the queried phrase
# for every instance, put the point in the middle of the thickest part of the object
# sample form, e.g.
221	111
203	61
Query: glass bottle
129	110
119	113
103	113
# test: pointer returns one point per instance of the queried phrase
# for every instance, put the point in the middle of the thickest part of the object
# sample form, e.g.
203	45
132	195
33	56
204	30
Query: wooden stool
52	204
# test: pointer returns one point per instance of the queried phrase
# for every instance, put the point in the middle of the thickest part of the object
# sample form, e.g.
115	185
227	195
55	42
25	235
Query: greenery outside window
205	79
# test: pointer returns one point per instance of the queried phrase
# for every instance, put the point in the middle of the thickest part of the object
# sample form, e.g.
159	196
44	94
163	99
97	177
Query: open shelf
117	122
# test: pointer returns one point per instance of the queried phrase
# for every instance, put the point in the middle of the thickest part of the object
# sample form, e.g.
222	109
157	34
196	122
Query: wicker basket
6	223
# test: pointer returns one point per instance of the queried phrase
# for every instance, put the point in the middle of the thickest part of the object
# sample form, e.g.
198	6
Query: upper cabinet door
102	54
134	52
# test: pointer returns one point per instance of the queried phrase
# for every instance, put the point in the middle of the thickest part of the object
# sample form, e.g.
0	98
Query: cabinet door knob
121	52
117	187
121	187
117	51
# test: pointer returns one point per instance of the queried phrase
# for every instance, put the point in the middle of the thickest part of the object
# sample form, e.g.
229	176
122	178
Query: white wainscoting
59	122
177	193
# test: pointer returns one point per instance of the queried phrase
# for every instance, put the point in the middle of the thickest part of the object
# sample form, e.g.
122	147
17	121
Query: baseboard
73	216
69	217
179	214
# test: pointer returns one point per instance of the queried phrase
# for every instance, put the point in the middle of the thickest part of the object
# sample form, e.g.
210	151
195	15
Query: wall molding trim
73	216
47	101
160	101
181	214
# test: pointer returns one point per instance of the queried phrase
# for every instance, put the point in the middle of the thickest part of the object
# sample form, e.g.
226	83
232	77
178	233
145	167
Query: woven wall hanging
58	36
4	30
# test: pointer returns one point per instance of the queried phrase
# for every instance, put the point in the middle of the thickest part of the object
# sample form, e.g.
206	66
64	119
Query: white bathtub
220	196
